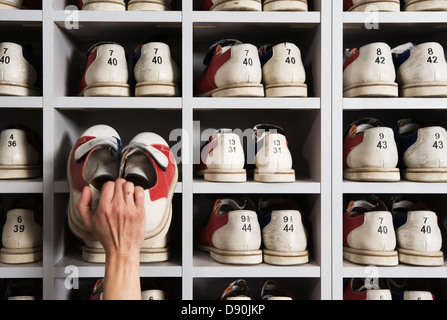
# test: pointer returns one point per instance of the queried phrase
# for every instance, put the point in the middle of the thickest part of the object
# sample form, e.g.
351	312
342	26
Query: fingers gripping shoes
106	5
231	5
156	72
283	71
20	71
222	158
147	161
20	153
285	5
93	160
371	5
22	237
421	151
150	5
421	70
425	5
370	152
368	233
232	233
369	71
419	239
233	69
106	72
272	155
283	233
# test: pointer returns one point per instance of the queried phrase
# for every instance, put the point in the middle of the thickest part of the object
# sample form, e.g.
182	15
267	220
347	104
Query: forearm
122	277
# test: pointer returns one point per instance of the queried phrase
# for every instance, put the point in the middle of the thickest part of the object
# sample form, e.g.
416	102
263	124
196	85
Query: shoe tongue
159	157
260	130
407	126
357	207
137	168
109	142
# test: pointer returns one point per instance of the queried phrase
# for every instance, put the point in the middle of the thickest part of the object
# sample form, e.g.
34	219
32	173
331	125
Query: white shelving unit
349	30
59	116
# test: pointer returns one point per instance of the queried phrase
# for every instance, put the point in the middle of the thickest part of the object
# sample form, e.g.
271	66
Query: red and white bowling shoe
147	161
232	234
93	160
233	69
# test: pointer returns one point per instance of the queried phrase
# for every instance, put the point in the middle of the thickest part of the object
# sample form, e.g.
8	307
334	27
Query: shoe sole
233	256
19	172
284	258
373	89
286	90
380	5
425	89
17	89
141	5
421	258
26	255
424	5
101	5
237	90
425	174
97	255
224	175
274	176
285	5
156	89
106	90
379	258
238	5
372	174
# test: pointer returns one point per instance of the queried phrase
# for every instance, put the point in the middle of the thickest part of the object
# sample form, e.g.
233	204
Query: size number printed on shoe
19	227
379	59
383	228
382	144
248	62
288	224
246	224
157	59
276	146
438	144
5	59
112	60
289	59
426	228
12	143
431	57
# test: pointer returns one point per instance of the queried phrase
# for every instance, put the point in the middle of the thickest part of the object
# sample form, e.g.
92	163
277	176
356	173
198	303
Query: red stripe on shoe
164	178
349	144
91	58
207	82
355	54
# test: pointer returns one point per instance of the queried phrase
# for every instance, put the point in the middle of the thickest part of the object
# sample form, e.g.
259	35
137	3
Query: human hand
119	221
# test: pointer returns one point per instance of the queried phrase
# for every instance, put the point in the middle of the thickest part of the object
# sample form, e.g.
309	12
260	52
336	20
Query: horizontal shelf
398	187
60	16
170	268
21	15
117	103
256	103
394	17
311	17
351	270
21	186
206	267
23	270
61	186
21	102
394	103
299	186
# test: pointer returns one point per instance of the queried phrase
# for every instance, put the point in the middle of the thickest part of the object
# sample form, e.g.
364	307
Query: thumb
84	209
